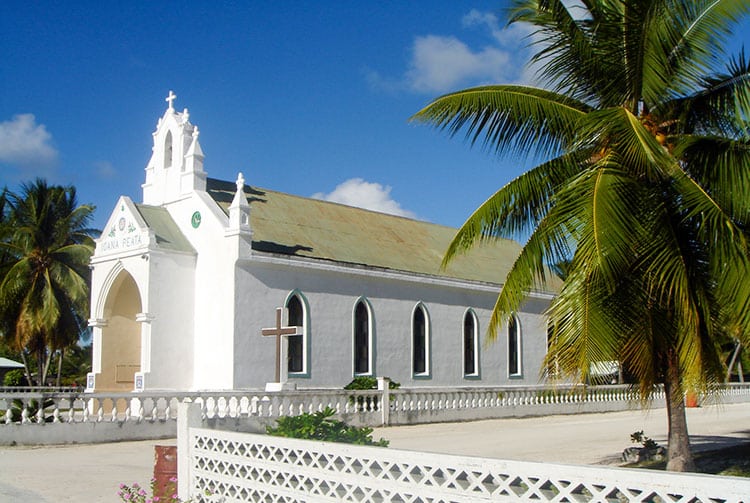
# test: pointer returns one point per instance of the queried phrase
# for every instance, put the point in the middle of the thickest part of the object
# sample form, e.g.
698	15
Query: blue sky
309	98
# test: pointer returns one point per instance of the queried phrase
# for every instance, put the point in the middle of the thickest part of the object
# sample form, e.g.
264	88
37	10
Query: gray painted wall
331	296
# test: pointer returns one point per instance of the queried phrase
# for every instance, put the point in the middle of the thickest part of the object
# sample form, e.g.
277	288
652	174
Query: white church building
184	282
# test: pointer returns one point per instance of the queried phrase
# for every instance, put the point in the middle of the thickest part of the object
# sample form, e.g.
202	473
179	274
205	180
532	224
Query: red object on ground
165	471
691	400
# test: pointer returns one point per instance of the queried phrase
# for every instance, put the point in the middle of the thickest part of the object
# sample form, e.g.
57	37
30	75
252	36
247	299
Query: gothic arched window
362	339
514	347
471	344
420	332
168	150
297	344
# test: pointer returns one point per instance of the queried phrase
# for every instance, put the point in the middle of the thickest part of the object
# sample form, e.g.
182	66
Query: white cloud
363	194
26	144
440	64
514	35
488	19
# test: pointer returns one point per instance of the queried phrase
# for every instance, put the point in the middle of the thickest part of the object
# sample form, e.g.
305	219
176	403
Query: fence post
188	416
385	400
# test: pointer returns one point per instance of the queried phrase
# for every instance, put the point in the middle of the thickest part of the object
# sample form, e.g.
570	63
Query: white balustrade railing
362	407
44	389
478	398
24	408
224	466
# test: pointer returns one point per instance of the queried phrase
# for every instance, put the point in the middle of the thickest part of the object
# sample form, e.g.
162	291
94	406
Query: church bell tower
176	165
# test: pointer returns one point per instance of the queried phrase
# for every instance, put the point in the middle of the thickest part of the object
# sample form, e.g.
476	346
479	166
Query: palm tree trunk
679	454
26	368
47	361
40	368
59	367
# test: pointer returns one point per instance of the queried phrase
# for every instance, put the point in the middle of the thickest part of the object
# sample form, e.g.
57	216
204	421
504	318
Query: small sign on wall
90	382
139	382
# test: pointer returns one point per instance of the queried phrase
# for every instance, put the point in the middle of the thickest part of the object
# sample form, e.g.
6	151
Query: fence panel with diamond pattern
233	467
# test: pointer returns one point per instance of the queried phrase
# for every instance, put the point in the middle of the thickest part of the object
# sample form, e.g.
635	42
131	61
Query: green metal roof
304	227
168	234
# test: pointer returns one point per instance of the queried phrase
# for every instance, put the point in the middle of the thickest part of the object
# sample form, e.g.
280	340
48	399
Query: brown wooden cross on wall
278	331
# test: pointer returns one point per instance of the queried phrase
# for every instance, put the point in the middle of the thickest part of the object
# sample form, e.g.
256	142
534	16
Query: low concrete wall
100	417
401	418
84	433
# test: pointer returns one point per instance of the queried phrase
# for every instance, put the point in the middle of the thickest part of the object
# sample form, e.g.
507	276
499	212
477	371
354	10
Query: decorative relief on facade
121	236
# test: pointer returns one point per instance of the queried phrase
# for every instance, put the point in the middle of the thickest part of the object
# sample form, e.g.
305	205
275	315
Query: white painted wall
214	292
170	363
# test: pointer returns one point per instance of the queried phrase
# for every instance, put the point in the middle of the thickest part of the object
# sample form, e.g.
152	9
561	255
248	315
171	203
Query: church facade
185	282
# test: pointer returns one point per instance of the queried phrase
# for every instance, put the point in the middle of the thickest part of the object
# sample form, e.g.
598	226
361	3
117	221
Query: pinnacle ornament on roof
240	199
239	211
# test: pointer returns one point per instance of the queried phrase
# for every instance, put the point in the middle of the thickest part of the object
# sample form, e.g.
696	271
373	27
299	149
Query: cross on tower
172	96
278	331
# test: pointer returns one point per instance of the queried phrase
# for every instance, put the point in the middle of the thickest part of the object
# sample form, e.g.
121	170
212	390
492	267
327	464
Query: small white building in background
184	282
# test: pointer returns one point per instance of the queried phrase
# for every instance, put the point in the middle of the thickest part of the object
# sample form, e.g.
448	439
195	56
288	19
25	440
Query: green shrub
367	382
32	409
639	437
321	426
14	377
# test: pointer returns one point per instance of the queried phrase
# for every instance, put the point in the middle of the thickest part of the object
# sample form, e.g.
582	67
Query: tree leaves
645	193
44	279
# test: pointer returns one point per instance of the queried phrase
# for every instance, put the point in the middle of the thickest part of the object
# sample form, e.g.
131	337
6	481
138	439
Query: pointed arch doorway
120	336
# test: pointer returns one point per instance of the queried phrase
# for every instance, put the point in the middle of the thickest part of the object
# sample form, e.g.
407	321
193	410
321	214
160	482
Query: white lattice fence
245	467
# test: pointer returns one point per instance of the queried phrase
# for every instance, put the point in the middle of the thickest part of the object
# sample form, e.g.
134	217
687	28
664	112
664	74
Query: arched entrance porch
120	339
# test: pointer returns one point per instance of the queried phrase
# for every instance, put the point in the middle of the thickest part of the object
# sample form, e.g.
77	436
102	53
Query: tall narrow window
552	369
168	150
362	339
420	341
471	353
514	347
296	350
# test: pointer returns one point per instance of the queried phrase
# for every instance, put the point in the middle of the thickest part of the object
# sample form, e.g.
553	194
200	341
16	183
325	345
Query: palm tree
644	188
7	313
44	289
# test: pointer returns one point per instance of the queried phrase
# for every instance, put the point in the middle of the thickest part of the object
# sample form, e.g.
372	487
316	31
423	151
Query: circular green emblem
195	220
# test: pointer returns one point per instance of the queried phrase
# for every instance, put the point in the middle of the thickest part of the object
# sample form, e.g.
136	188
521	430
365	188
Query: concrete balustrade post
385	400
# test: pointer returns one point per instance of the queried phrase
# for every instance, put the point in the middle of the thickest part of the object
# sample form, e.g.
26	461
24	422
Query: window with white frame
420	341
514	347
296	344
552	369
362	338
471	344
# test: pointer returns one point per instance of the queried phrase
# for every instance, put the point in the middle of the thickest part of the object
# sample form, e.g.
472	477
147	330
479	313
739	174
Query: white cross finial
172	96
240	181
